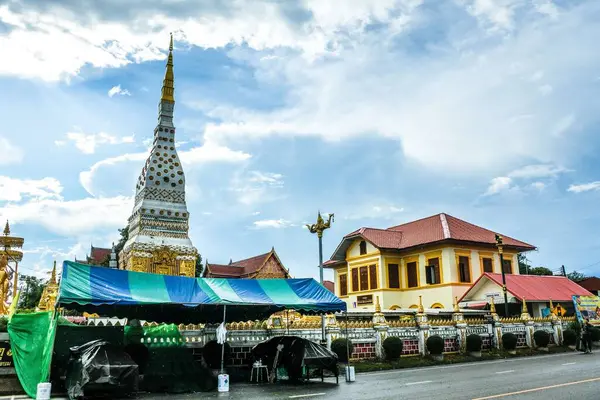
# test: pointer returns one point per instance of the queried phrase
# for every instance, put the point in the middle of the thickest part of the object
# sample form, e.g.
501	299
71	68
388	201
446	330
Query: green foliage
338	346
211	352
542	338
509	341
576	276
392	346
3	324
25	310
31	291
575	326
569	337
523	265
540	271
122	240
474	342
199	266
526	269
595	332
435	345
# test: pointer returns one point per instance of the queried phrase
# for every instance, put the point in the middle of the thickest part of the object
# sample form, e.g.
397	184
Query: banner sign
6	359
587	307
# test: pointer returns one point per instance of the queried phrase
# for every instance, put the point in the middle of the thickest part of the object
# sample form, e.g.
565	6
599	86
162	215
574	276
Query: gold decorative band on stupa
168	88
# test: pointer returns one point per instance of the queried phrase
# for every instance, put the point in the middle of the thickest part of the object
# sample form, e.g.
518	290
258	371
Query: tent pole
223	345
347	341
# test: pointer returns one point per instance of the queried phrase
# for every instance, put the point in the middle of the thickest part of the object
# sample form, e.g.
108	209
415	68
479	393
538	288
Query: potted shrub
541	339
509	342
342	347
392	347
211	353
570	338
474	344
435	347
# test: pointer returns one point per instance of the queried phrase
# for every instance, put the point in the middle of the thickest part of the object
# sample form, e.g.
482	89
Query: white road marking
417	383
569	363
506	372
496	396
298	396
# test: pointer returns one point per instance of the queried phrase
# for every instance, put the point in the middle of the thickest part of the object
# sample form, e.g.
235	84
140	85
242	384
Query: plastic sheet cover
297	352
98	365
181	299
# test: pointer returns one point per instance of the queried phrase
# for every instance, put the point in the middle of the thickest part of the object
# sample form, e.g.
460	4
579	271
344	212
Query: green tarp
31	341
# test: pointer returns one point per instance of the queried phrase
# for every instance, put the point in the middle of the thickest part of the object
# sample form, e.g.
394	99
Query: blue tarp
181	299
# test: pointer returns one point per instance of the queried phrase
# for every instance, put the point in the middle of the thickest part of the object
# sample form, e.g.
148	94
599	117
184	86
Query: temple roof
242	268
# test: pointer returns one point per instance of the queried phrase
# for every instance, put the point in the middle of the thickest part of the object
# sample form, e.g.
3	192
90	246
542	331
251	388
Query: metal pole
321	281
504	285
223	345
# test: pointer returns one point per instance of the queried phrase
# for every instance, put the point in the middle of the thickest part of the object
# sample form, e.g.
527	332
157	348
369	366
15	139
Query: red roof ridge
412	222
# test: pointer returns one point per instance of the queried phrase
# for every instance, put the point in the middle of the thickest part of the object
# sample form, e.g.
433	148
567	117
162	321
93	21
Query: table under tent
152	297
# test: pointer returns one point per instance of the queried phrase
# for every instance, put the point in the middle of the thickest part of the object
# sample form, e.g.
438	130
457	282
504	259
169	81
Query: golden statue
50	293
321	225
4	283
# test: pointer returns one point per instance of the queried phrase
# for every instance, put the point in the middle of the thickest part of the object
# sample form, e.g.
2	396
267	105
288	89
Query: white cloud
11	154
12	189
272	223
538	185
585	187
538	171
257	187
377	211
207	153
87	143
116	90
72	217
498	184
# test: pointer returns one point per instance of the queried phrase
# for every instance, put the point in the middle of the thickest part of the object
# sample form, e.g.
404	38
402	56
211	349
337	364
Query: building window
507	266
412	276
488	265
363	248
373	276
433	271
343	285
355	280
464	272
393	276
364	278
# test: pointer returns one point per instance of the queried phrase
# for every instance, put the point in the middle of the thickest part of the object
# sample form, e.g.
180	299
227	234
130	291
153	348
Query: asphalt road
562	376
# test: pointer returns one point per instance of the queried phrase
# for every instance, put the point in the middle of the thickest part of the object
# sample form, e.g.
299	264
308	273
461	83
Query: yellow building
438	258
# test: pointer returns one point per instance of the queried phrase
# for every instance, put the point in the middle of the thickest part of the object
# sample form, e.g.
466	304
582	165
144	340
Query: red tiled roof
99	254
433	229
329	286
237	268
592	283
537	288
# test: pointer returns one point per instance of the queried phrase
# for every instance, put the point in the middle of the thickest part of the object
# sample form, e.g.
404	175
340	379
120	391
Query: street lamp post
319	228
500	245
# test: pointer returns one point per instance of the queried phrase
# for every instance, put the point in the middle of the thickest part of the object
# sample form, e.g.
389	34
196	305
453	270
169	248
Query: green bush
3	324
595	334
575	326
509	341
338	346
211	352
392	347
474	342
435	345
569	337
542	338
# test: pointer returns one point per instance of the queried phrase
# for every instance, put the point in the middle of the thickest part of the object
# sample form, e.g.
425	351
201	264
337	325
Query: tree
199	266
524	266
32	288
124	237
540	271
576	276
106	261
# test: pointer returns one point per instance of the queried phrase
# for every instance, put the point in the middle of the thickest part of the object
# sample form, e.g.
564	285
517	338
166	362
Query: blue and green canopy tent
180	299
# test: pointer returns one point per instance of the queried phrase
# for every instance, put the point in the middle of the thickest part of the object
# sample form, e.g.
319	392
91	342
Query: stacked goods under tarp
31	341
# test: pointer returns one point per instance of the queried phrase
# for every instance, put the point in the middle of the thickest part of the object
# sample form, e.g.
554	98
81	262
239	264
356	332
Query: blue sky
382	111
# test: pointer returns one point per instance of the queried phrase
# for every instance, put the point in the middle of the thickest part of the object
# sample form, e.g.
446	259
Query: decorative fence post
423	326
381	328
528	322
496	325
557	326
461	326
332	329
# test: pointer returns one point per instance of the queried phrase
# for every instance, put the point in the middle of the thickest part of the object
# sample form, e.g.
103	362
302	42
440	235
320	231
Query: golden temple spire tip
168	88
6	229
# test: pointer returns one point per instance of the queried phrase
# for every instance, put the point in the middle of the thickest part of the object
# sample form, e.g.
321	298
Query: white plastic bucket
43	391
350	376
223	383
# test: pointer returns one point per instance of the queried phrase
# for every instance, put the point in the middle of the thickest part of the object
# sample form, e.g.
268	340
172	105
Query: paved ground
563	376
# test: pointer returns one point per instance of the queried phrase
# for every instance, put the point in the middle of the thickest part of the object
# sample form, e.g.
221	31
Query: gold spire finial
168	88
421	309
456	308
551	305
6	229
53	276
377	306
492	306
524	309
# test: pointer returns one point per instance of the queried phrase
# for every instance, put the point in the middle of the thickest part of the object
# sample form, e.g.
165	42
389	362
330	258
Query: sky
380	111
